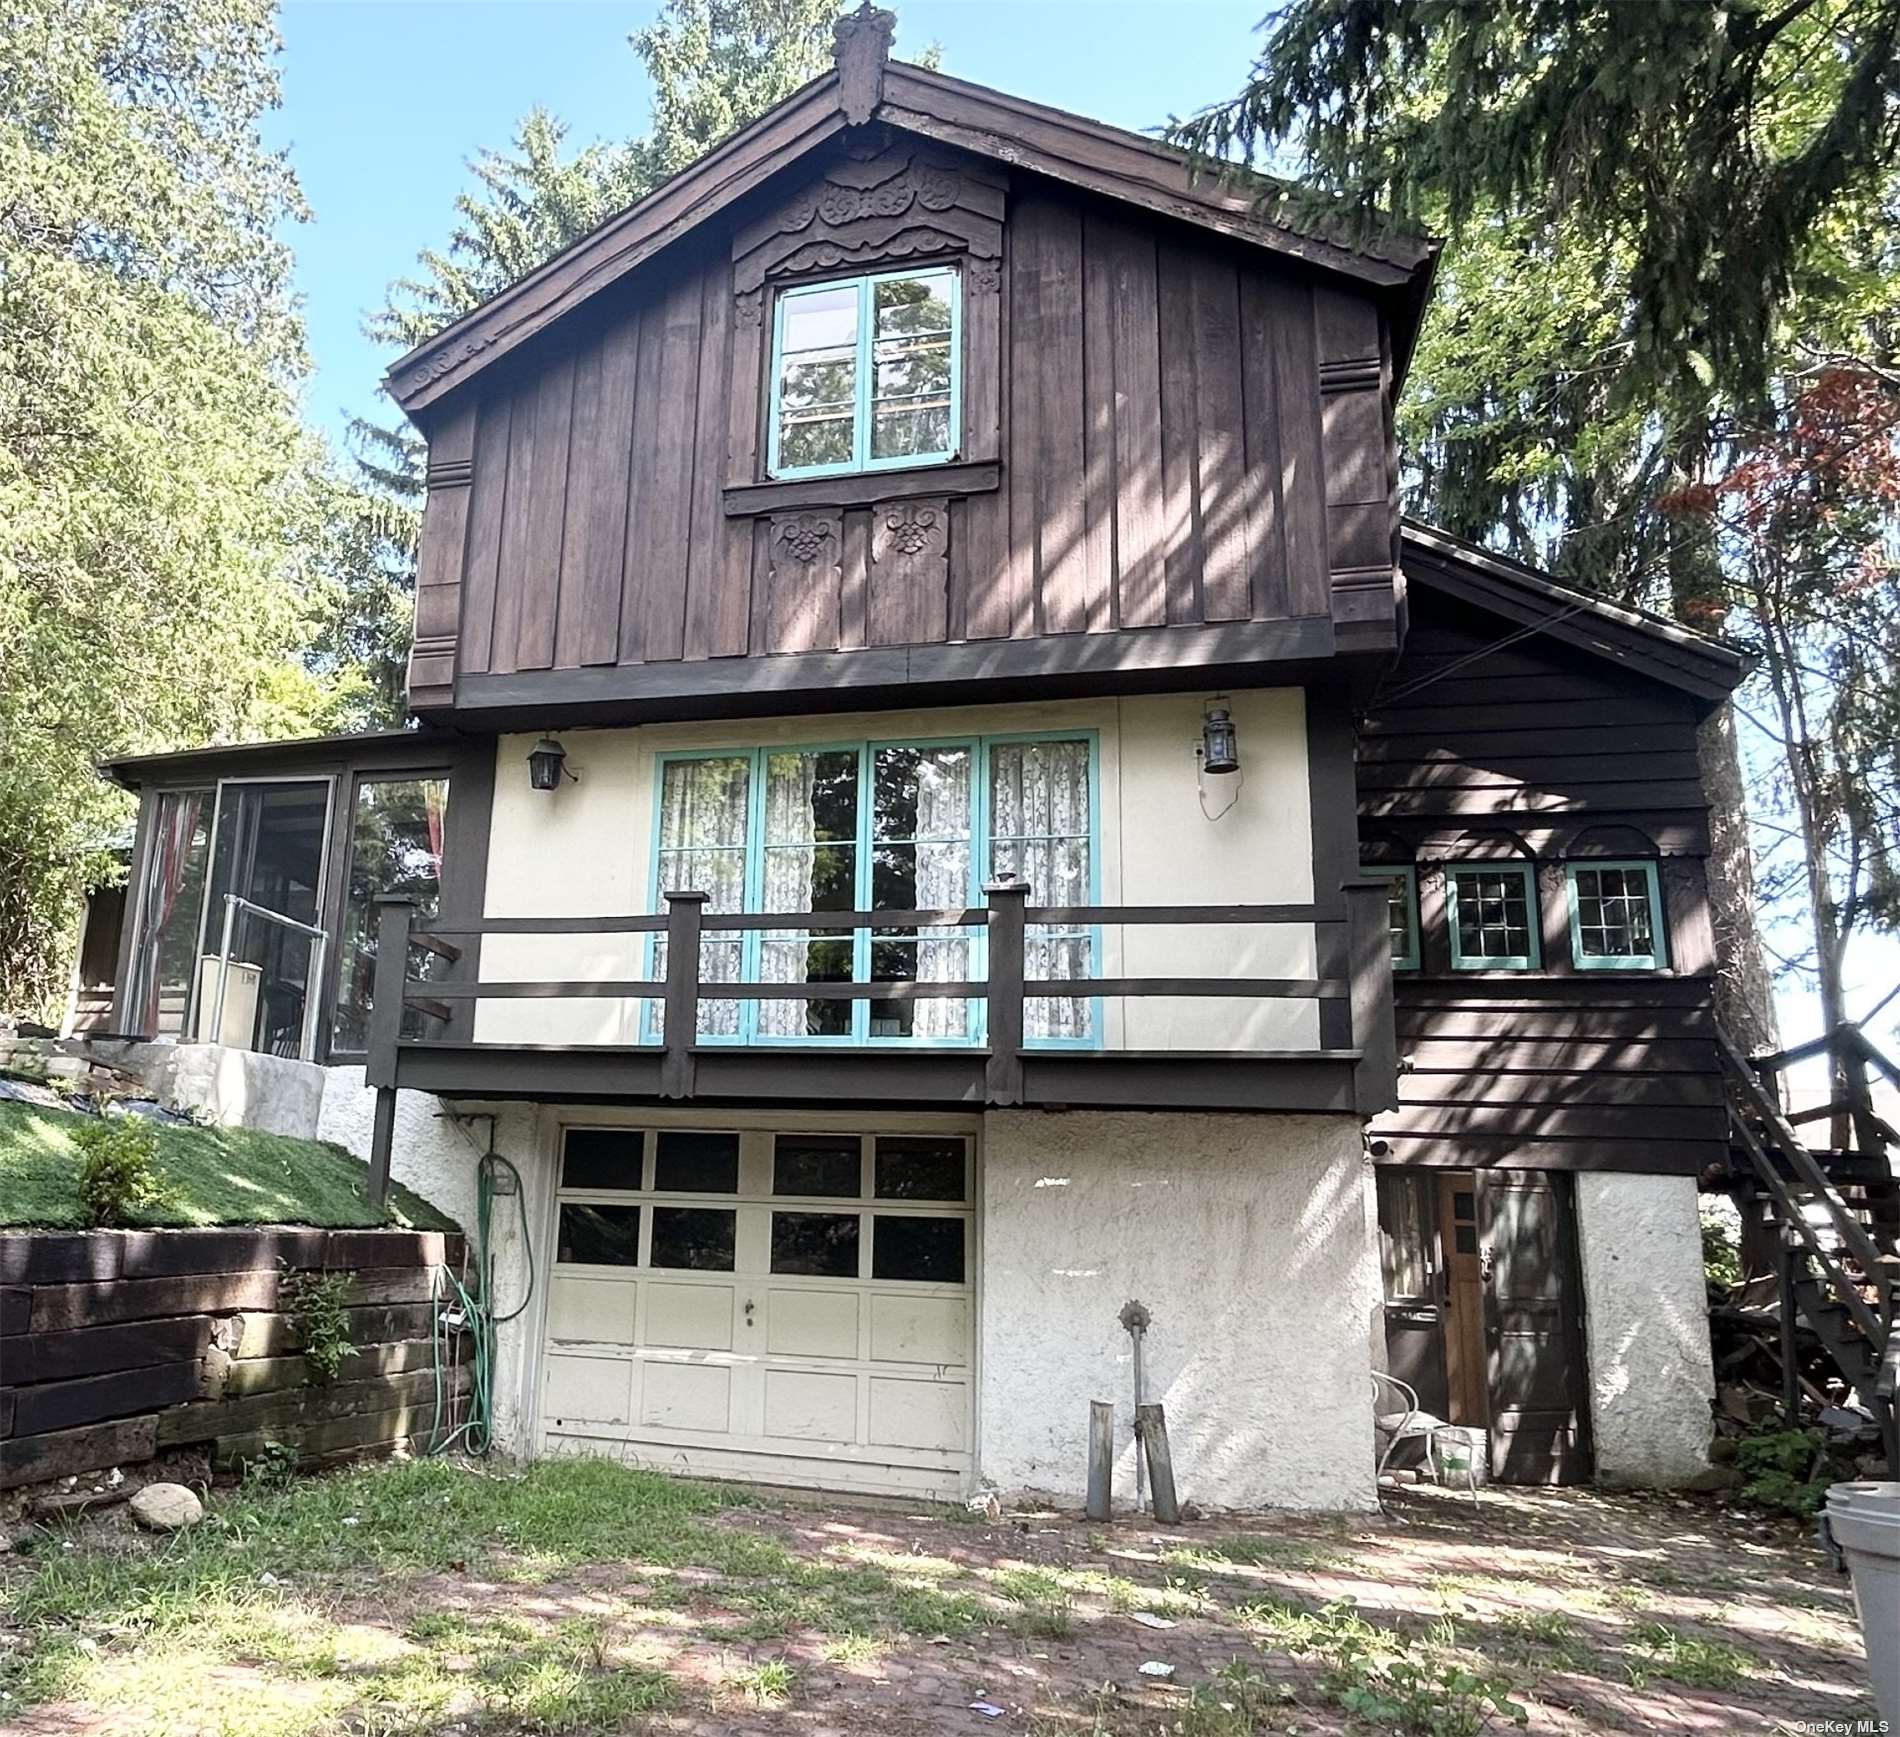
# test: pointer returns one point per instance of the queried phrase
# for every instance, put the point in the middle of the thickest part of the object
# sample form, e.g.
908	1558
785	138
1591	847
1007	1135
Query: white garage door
792	1307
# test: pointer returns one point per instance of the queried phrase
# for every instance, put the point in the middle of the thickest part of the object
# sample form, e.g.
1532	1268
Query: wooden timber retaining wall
117	1346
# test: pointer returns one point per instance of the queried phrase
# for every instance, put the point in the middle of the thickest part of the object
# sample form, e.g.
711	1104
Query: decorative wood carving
885	203
910	571
806	555
861	44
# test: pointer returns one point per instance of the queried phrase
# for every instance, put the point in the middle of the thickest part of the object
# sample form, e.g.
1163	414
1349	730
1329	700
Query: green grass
233	1626
210	1175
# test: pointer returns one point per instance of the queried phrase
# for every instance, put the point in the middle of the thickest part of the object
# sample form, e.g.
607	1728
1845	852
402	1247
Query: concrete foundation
1254	1242
1646	1318
437	1156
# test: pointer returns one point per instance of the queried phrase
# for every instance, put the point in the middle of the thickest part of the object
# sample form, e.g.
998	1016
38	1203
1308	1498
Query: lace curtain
702	849
942	847
1039	832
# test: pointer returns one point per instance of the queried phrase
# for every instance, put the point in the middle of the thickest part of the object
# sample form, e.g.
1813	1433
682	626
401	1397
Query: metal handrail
233	903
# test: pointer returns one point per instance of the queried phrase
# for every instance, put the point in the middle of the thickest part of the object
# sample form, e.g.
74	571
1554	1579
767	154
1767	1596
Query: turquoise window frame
1407	877
1093	1040
1462	961
752	941
865	377
1654	961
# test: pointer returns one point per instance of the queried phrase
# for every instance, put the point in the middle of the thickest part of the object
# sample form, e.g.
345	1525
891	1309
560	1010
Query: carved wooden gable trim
879	204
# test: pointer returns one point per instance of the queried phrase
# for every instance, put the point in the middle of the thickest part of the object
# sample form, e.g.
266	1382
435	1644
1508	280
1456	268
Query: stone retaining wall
117	1346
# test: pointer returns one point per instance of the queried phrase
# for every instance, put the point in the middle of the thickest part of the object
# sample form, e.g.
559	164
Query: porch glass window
1401	912
877	827
170	906
396	830
1493	917
865	373
1615	916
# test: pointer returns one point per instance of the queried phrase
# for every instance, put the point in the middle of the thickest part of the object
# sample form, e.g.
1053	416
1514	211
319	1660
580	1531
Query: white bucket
1864	1521
1460	1455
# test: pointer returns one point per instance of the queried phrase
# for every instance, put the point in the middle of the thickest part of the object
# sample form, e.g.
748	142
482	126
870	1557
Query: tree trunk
1744	989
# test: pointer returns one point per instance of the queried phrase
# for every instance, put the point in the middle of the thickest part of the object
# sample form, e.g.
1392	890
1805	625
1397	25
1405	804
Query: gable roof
1650	645
864	87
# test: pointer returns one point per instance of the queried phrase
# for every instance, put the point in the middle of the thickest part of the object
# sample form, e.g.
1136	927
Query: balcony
1350	1071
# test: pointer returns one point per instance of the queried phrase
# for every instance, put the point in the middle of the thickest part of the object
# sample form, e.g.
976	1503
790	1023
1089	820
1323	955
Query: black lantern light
1220	745
546	763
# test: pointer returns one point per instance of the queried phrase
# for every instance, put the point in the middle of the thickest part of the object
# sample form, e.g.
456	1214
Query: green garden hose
469	1307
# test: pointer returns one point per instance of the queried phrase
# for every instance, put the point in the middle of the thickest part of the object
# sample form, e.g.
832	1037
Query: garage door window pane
919	1169
929	1250
599	1236
602	1158
694	1238
804	1164
819	1245
693	1163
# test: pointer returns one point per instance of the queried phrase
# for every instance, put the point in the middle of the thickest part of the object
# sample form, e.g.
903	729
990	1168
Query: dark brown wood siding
1162	429
1542	753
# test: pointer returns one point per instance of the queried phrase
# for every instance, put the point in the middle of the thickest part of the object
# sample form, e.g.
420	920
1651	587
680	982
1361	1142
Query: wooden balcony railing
1356	1060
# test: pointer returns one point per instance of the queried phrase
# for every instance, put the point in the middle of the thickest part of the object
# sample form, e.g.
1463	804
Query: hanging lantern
546	763
1220	744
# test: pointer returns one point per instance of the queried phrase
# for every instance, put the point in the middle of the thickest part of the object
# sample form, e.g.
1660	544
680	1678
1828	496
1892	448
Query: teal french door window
1616	917
866	374
1401	910
1492	912
870	826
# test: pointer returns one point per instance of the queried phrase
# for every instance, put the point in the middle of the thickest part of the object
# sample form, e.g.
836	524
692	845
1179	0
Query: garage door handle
749	1306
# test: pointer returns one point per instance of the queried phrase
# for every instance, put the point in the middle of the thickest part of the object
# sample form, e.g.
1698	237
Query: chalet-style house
945	799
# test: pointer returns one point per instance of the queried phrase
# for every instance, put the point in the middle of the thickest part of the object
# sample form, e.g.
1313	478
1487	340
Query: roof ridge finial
861	44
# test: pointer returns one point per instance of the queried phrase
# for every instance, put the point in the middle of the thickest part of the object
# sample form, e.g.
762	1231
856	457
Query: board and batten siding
1553	1067
1161	429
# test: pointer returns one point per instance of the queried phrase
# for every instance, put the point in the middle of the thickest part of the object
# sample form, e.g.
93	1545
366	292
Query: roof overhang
287	757
1647	644
1085	154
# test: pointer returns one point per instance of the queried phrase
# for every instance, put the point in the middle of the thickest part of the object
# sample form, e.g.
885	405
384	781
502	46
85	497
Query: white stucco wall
236	1088
1647	1325
586	850
437	1158
1254	1242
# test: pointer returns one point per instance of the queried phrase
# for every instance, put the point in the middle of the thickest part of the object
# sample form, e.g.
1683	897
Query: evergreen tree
1670	222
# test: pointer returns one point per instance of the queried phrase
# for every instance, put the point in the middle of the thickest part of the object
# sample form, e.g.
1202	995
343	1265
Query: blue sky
385	102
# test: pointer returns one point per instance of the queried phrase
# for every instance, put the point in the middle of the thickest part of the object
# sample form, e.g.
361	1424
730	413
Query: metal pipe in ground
1135	1320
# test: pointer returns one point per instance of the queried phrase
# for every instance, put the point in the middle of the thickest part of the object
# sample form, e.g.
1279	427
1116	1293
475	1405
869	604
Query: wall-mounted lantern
1220	743
546	762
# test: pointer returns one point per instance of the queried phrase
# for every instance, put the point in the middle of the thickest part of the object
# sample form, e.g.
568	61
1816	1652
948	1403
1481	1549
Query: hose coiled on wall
468	1306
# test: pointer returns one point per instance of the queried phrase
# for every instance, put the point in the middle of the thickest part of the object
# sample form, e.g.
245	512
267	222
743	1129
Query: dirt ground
1562	1611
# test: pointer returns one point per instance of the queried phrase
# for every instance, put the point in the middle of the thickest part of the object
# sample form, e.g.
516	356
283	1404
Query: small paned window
818	1245
599	1236
1493	917
1401	912
865	374
689	1162
693	1238
1615	916
818	1164
927	1250
602	1158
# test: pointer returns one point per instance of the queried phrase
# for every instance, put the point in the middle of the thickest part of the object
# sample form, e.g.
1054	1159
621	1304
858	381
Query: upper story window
1492	913
866	374
1615	916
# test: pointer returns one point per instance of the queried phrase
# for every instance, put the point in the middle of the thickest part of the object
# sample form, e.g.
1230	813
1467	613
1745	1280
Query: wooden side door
1467	1395
1533	1328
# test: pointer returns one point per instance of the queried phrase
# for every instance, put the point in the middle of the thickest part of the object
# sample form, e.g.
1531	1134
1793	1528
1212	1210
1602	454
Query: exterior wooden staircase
1836	1209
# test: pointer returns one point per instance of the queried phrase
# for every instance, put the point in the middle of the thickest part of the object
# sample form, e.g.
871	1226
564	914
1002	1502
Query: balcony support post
395	913
684	911
1369	940
1003	1081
